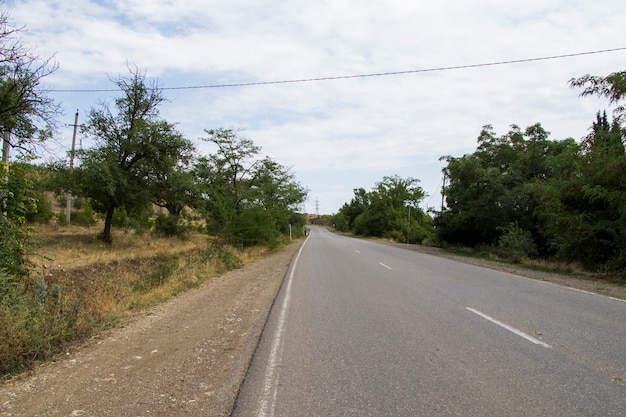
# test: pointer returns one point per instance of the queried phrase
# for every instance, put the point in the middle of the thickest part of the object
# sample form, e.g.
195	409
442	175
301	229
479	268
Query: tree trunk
105	236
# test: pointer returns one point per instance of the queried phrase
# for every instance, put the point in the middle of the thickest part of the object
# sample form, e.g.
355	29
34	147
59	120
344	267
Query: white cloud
340	134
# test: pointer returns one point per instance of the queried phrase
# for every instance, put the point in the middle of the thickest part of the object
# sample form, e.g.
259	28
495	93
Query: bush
516	244
43	211
169	226
397	236
13	248
79	203
85	217
138	220
120	218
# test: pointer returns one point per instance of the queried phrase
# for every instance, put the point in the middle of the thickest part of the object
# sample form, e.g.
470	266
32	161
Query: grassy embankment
79	286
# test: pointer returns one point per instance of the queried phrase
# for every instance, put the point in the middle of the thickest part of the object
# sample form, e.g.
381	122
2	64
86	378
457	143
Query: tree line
529	196
390	210
519	195
138	160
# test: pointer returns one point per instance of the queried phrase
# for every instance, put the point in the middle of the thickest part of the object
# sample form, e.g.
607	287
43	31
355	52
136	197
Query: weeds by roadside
78	286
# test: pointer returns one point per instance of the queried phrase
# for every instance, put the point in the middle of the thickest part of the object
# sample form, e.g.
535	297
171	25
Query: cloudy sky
342	133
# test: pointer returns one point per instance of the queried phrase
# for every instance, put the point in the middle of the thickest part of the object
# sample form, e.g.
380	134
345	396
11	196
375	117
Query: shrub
85	217
138	220
169	226
516	244
43	211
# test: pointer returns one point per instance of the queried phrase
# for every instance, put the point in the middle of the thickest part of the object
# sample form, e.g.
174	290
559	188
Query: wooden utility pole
68	205
6	150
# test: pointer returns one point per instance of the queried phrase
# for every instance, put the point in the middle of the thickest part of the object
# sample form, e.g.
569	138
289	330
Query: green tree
27	117
347	214
613	87
20	204
174	190
384	211
489	189
246	200
584	209
594	200
134	150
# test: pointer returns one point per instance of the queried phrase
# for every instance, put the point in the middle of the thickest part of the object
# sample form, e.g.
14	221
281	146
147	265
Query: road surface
365	329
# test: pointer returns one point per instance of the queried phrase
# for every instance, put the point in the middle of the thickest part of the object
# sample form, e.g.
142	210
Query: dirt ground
186	357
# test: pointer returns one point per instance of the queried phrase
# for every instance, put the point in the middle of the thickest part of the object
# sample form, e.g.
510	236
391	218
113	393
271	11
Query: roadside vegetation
135	218
154	213
78	286
520	197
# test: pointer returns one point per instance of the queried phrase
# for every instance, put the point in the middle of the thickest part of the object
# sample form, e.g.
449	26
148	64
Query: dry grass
79	286
136	271
553	266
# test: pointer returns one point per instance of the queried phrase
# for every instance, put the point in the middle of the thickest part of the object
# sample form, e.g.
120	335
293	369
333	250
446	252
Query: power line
377	74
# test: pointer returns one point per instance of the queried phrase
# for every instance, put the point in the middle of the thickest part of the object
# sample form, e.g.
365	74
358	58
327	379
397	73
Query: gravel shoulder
190	355
186	357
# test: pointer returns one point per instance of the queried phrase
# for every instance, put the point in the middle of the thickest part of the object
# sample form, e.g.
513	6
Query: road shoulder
185	357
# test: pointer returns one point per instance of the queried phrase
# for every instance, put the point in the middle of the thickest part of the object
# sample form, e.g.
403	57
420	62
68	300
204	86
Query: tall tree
134	148
347	214
603	212
488	189
247	200
384	211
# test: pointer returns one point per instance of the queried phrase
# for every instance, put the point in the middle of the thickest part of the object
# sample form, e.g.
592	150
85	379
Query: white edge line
567	287
383	265
587	292
267	399
511	329
616	299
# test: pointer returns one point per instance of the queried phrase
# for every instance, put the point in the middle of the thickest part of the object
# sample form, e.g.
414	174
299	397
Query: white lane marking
511	329
357	251
383	265
267	399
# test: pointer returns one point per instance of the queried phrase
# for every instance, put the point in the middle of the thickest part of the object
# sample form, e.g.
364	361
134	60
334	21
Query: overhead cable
345	77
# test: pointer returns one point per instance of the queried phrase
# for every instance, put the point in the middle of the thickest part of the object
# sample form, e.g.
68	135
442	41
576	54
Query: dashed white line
510	328
357	251
383	265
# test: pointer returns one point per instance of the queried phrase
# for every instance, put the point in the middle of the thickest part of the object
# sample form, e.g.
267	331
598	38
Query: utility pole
317	209
443	191
409	204
68	205
6	150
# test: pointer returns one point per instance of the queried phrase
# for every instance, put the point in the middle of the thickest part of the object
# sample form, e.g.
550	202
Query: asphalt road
366	329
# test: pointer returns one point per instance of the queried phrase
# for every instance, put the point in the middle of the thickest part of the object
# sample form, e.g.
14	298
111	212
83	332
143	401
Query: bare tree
27	113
